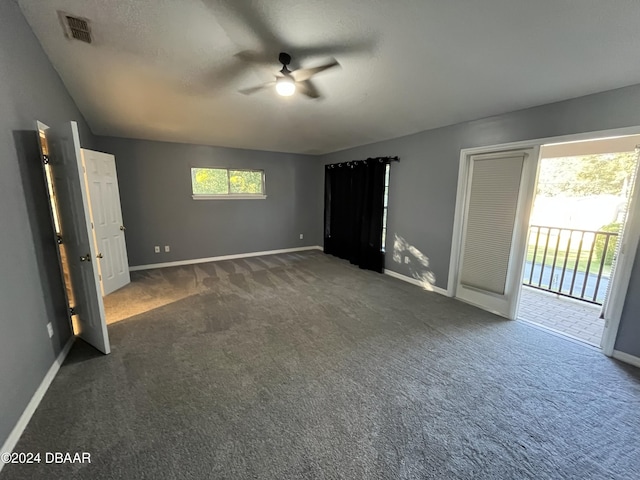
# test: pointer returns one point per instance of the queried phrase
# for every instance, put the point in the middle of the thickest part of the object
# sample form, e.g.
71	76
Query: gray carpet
302	366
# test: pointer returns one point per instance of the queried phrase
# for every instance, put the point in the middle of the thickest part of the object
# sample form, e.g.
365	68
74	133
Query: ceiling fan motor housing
284	58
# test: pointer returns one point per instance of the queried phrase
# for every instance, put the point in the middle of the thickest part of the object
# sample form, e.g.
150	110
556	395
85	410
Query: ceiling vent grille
76	27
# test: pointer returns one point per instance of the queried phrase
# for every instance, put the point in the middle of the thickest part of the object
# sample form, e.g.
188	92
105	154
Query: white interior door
499	192
77	237
104	198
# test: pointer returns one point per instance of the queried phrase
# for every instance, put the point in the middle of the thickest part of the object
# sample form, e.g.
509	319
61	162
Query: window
385	207
217	183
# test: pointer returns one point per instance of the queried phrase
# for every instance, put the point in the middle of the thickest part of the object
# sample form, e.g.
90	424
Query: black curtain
353	210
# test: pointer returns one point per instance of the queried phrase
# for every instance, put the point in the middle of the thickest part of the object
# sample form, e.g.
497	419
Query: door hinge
45	159
59	240
72	311
99	277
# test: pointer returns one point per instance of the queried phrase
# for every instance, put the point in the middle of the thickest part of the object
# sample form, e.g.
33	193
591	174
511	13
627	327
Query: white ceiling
162	70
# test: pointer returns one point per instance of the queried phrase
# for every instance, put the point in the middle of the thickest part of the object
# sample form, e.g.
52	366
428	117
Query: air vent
76	27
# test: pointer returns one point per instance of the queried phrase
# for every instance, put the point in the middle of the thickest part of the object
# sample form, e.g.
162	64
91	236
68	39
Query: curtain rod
385	159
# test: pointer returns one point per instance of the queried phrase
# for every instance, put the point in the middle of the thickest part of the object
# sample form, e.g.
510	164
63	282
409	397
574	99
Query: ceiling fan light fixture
285	86
287	82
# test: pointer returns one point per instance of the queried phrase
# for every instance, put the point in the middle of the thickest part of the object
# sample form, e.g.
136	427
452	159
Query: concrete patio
576	319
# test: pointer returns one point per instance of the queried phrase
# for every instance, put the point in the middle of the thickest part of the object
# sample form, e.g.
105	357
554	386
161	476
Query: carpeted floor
302	366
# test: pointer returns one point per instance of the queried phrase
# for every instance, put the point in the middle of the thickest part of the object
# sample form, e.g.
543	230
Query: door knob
86	258
123	228
99	255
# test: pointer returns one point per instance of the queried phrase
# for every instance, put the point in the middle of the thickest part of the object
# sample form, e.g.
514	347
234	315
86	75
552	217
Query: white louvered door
499	191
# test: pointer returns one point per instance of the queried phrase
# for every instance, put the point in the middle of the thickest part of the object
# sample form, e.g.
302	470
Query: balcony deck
576	319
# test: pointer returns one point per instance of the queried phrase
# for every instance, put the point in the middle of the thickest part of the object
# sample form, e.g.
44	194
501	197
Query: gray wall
30	286
423	185
157	208
628	340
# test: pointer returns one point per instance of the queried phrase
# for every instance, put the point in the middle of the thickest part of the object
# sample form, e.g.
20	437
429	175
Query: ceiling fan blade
250	15
345	47
307	88
252	90
223	75
260	58
306	73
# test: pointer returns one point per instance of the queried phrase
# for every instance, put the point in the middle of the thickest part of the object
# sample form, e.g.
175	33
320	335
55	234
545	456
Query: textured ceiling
166	70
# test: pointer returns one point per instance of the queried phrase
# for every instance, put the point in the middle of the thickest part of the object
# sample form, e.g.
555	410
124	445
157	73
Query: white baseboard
24	419
415	281
626	358
222	257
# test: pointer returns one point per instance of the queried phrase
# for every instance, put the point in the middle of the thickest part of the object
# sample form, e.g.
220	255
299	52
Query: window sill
228	197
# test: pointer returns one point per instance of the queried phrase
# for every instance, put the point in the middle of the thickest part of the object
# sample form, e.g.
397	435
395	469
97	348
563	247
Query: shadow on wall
418	262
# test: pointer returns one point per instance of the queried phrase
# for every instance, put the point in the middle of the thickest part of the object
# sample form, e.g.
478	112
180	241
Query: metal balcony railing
570	262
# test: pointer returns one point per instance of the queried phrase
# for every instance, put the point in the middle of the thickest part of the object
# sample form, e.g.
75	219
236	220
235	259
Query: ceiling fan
255	24
288	82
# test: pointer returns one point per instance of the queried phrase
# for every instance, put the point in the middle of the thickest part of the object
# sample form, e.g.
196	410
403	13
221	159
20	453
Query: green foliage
587	175
209	181
245	181
613	242
217	181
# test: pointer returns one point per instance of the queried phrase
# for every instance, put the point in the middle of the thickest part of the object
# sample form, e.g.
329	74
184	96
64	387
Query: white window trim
228	196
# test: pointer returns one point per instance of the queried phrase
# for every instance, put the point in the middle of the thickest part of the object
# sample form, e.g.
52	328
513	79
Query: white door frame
631	237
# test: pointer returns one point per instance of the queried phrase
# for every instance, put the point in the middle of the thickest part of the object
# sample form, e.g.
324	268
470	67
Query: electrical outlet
156	249
167	249
406	259
301	236
50	329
